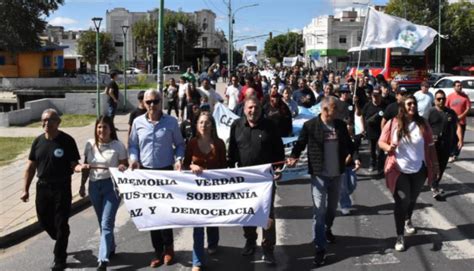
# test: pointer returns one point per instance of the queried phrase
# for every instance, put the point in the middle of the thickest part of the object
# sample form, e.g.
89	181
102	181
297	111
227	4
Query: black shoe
330	237
102	266
268	257
249	248
320	258
57	266
112	254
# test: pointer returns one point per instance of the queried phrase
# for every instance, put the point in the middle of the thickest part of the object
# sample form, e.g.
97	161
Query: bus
399	64
250	54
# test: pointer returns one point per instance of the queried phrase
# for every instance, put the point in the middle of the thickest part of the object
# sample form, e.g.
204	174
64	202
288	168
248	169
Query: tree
22	22
87	46
284	45
457	22
175	42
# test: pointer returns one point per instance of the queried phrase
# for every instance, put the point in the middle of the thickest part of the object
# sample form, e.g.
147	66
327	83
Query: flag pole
360	50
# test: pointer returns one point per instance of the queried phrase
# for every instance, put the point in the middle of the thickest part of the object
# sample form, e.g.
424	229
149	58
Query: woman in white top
411	159
102	152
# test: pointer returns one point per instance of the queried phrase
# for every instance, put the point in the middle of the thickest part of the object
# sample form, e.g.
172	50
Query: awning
464	68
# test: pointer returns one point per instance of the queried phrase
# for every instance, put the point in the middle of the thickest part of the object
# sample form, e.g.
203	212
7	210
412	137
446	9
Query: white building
69	38
211	40
327	38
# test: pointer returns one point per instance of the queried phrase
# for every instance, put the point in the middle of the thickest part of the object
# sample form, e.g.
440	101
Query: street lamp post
124	31
231	31
159	64
97	21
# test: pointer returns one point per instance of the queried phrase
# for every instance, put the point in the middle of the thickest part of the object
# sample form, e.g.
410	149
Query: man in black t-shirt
140	110
445	125
391	111
112	91
372	114
54	156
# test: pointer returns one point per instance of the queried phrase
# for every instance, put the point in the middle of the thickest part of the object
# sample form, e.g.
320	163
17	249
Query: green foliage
87	46
22	22
289	44
457	21
145	33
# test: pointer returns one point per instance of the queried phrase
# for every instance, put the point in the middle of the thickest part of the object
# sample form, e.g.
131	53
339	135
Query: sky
276	16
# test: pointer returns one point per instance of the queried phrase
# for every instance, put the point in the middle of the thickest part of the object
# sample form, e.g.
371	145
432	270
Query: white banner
158	199
224	119
290	61
300	170
386	31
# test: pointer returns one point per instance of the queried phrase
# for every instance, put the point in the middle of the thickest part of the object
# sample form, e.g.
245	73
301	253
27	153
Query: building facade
327	38
210	47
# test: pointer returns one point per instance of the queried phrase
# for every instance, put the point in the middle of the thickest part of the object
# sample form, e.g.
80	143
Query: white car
133	70
446	84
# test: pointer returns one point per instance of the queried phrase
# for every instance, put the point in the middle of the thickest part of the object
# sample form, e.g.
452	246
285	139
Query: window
204	24
319	40
204	42
342	39
445	84
2	60
118	44
359	36
65	37
74	36
46	61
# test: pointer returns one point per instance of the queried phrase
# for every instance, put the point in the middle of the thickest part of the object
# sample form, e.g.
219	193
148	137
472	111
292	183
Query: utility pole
229	47
438	47
159	63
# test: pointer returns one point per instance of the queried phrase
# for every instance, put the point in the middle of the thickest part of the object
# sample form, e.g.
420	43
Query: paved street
365	239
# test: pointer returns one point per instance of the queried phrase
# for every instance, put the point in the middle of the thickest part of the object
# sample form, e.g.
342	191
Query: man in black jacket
253	141
330	149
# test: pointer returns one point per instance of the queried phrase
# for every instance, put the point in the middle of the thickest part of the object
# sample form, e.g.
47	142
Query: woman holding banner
102	152
205	151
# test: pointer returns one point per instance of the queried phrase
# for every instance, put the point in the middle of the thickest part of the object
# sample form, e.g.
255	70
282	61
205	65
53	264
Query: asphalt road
365	239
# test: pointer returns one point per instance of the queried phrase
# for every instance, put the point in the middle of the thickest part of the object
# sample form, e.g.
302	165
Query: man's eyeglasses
441	99
155	102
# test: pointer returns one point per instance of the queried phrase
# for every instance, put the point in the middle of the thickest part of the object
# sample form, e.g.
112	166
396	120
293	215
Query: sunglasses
441	99
155	101
411	104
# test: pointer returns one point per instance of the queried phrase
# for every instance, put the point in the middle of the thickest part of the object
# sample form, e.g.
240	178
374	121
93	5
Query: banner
300	170
386	31
224	118
289	61
159	199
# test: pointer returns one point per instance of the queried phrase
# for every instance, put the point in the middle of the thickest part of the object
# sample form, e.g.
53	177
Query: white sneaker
409	229
345	211
452	159
400	244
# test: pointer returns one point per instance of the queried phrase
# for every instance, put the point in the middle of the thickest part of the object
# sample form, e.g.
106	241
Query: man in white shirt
232	92
424	100
206	90
182	90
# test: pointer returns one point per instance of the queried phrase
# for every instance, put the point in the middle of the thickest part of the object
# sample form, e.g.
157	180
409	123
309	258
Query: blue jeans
325	192
106	203
348	185
198	246
111	110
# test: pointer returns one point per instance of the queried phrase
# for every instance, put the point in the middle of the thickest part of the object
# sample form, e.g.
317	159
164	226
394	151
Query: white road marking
468	196
429	217
377	259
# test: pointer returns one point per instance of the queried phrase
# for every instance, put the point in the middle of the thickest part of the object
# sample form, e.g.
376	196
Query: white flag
386	31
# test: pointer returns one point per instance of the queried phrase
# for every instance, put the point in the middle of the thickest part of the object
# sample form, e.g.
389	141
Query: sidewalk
18	219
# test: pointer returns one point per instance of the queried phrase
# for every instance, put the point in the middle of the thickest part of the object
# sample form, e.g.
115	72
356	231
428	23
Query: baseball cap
344	88
402	90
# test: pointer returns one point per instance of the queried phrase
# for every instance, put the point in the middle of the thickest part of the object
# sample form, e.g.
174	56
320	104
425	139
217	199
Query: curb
34	228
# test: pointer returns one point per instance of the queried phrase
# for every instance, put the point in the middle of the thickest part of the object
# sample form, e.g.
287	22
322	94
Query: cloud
62	21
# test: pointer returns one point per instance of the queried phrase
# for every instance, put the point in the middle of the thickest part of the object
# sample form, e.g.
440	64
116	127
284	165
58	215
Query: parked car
133	70
171	69
434	77
446	84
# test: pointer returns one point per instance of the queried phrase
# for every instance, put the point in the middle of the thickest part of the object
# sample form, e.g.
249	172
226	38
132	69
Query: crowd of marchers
408	136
